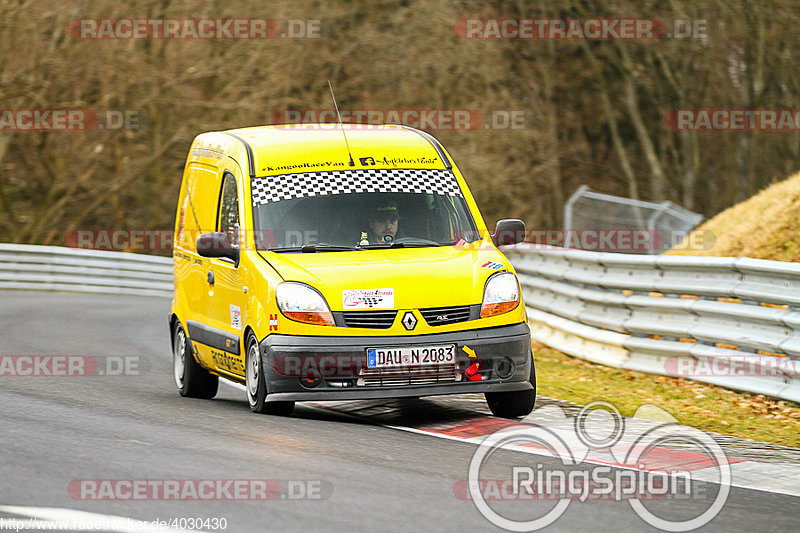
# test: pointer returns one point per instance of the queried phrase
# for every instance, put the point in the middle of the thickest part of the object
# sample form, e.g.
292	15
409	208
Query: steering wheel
416	239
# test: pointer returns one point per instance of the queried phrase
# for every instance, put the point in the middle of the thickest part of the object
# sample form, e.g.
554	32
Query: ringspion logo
641	471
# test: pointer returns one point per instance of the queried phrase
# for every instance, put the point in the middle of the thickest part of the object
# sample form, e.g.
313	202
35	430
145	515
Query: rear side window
228	222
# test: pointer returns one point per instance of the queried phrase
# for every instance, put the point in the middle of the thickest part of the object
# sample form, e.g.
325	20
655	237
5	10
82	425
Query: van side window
228	222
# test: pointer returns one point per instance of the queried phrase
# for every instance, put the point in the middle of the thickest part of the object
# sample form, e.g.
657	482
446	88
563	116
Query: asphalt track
363	474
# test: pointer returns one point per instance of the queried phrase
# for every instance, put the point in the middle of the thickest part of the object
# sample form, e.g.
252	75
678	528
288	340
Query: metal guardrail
657	314
53	268
733	322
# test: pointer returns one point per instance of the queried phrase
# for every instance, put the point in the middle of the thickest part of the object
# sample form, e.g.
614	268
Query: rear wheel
192	380
256	383
513	404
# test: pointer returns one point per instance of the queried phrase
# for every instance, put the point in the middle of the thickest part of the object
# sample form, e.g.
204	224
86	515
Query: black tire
256	383
191	379
513	404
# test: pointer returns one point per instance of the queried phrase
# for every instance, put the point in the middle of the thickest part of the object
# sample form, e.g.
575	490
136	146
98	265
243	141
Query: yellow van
340	262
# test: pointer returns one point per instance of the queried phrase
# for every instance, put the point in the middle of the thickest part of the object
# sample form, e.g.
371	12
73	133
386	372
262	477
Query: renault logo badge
409	320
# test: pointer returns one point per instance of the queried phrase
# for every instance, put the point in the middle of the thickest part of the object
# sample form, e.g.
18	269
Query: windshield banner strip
288	186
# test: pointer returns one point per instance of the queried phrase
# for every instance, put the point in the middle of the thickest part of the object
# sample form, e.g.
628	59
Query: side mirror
216	244
508	231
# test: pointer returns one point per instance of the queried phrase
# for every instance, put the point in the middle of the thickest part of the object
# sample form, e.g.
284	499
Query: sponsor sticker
492	265
368	299
228	361
273	322
236	317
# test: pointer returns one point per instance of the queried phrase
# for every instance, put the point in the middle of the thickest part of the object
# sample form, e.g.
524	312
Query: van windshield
360	210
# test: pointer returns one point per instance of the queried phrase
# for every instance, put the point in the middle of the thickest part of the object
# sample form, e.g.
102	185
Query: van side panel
196	214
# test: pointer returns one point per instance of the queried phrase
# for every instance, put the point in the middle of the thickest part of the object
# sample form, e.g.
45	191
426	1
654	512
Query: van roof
294	148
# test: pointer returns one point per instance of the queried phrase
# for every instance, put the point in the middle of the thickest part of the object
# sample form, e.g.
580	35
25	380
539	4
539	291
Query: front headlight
301	303
501	295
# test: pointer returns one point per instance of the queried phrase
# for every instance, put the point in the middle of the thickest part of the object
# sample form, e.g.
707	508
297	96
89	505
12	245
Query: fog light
310	380
504	368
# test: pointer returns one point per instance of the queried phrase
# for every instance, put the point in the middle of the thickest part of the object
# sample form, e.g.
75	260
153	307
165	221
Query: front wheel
513	404
191	379
256	383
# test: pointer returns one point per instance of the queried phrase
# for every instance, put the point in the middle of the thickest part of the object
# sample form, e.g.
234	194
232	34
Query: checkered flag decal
372	302
287	186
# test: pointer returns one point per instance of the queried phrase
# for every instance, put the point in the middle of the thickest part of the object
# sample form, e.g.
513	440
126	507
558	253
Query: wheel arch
173	318
247	331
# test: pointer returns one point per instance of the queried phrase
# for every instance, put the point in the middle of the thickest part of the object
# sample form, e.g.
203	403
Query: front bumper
306	368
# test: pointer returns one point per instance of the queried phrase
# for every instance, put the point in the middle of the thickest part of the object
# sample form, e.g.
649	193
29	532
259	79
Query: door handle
210	278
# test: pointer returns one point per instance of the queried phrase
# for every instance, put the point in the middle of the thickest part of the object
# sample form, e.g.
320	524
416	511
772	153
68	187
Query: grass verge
765	226
707	407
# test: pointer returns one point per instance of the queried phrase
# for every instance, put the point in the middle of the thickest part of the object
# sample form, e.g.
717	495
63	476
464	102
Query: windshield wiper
325	247
382	245
402	244
312	248
418	244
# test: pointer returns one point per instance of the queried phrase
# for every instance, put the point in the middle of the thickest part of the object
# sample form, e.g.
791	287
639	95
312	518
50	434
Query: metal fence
733	322
590	210
53	268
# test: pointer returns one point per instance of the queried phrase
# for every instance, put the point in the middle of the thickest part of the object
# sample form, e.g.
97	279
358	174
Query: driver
383	223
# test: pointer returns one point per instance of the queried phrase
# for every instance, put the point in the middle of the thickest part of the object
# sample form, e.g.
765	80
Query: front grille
369	319
440	316
421	375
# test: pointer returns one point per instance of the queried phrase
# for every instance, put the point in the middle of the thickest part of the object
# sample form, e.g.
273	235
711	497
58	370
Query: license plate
411	356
